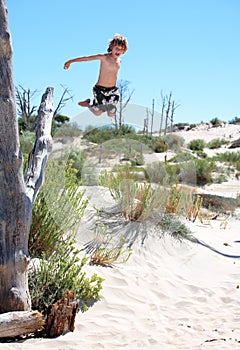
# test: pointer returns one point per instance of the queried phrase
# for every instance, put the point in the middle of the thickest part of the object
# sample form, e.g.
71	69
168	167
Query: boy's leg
111	114
112	110
85	103
95	111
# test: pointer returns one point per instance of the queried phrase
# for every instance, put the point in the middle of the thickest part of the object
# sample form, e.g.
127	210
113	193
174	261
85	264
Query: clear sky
189	47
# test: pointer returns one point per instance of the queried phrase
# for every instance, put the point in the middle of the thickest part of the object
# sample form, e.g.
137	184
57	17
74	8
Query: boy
105	92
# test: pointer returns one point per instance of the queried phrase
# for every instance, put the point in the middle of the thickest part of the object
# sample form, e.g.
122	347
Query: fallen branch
17	323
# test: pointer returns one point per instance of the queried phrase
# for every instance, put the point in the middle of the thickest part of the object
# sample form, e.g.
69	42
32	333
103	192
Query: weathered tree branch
42	147
13	324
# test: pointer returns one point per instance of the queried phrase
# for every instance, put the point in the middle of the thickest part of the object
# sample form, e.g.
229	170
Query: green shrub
157	173
235	120
216	121
57	210
182	157
67	130
113	179
238	165
105	250
228	157
174	142
75	161
101	135
204	169
160	146
51	276
171	225
56	266
201	154
216	143
27	140
197	145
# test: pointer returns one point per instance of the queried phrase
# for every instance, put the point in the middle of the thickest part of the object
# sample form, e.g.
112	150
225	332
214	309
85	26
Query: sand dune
169	295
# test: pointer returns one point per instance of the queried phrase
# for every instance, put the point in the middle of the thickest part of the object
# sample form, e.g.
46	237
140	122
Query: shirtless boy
105	91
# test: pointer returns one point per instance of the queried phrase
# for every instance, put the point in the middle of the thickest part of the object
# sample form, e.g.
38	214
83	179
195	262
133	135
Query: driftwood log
61	315
17	323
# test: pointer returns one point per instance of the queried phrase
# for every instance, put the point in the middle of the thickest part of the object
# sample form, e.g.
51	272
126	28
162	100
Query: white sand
169	295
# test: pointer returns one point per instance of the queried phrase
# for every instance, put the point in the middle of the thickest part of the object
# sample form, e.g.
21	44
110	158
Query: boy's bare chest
111	65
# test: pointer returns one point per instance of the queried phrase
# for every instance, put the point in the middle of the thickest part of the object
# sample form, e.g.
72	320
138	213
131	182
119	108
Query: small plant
160	146
157	173
204	169
194	210
134	198
51	276
171	225
174	198
106	251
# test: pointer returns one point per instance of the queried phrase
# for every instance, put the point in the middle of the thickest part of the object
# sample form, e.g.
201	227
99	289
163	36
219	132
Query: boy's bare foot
85	103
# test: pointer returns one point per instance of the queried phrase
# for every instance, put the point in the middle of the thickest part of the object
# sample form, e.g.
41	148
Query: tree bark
16	196
61	315
17	323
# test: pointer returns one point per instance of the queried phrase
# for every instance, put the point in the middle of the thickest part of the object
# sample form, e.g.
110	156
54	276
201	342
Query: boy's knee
111	114
96	112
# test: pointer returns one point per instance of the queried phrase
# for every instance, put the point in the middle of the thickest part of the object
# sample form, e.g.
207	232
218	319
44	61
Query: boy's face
117	51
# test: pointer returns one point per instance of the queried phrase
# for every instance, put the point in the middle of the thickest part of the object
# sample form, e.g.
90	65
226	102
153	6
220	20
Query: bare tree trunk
152	115
16	196
167	113
162	112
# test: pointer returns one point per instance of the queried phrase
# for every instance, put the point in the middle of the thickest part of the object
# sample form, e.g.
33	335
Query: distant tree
66	96
235	120
124	97
151	113
216	121
168	109
25	110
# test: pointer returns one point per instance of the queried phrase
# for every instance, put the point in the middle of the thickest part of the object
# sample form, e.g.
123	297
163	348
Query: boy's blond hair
118	40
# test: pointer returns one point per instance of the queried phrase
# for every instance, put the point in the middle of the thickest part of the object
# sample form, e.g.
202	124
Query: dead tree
145	122
124	98
152	117
167	112
62	102
16	193
163	98
25	110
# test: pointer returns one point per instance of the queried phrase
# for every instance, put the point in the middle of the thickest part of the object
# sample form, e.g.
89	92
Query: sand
168	295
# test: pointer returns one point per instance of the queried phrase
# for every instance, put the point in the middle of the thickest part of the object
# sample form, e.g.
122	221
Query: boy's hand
67	65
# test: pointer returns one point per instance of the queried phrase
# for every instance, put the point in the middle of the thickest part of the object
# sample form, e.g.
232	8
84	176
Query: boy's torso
108	71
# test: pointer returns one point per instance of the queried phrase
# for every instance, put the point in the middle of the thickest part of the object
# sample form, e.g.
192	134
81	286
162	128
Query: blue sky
188	47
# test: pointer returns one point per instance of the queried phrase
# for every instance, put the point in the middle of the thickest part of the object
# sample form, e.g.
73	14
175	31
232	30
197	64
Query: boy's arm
83	59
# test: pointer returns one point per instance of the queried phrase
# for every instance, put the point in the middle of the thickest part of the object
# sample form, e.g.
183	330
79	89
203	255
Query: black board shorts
105	98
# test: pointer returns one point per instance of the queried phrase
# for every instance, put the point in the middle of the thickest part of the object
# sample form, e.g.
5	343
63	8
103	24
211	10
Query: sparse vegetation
216	143
56	266
105	250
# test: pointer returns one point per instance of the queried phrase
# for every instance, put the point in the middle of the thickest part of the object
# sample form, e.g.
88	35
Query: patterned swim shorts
105	99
